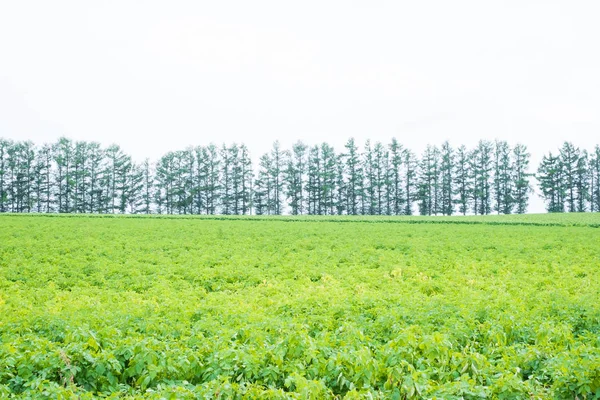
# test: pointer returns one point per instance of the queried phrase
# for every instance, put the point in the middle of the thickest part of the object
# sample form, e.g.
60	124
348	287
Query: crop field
306	308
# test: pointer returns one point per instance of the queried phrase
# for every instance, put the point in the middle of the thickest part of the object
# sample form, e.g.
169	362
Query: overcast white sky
156	76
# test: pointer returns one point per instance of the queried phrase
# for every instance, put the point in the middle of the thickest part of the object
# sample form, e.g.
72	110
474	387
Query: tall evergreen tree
595	180
211	179
278	162
369	198
244	196
353	172
313	186
436	200
463	180
295	177
228	157
45	159
38	182
582	182
11	177
147	187
550	176
481	169
63	158
569	158
428	180
80	176
22	156
239	179
118	164
5	146
410	181
521	186
164	196
187	181
379	179
340	190
263	187
95	166
387	189
396	187
134	196
447	179
503	178
328	173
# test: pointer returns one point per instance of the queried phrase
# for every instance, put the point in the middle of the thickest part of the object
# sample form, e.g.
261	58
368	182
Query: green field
398	308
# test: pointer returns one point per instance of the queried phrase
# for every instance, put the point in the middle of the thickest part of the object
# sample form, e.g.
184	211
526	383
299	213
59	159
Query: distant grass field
571	219
500	307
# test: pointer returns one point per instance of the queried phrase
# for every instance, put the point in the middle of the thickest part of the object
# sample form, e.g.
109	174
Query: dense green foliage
570	181
379	179
291	307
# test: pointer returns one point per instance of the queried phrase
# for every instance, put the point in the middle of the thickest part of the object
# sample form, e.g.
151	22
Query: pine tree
427	181
164	194
436	201
63	181
387	188
263	187
295	177
569	158
227	195
447	179
237	179
503	178
199	178
45	158
410	181
595	180
186	177
550	177
340	186
147	188
28	171
379	170
5	145
582	182
21	163
96	165
313	187
370	181
353	173
236	182
481	169
396	187
247	175
118	165
134	193
278	161
38	182
11	173
520	177
80	176
328	175
463	180
212	180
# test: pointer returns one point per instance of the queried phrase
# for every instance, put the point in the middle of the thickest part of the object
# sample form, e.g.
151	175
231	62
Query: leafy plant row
203	308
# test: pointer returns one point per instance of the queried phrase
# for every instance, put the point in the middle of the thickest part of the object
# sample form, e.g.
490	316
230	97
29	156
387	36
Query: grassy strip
558	220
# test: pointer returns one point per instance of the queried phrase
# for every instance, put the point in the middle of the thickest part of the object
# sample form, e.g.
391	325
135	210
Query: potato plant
300	308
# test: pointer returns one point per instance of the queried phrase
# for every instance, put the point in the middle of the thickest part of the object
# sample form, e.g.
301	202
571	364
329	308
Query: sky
155	76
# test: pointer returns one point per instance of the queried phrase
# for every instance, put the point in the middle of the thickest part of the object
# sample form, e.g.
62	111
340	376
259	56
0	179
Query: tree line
570	179
375	179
